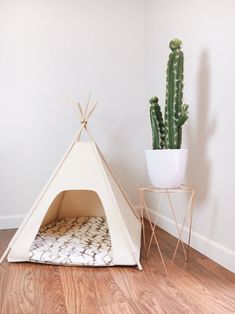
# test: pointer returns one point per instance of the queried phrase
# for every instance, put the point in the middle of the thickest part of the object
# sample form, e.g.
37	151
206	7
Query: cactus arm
154	125
157	124
183	117
161	126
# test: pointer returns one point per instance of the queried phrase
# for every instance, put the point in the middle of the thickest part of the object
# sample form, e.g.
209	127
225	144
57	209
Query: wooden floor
200	287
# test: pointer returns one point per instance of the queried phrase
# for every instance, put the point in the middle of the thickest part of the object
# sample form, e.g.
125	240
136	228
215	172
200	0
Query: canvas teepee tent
82	216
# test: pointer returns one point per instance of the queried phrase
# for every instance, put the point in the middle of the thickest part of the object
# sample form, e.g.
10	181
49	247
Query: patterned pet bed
73	241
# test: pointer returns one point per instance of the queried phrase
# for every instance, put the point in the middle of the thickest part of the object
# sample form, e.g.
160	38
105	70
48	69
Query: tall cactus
168	134
175	111
157	124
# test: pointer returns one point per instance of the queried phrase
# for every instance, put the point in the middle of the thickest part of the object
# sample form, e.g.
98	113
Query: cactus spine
176	113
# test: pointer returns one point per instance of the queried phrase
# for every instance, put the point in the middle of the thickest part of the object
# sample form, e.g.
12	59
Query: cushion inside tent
73	232
73	241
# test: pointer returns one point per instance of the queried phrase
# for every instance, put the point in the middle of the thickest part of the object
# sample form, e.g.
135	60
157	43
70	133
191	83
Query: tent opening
74	231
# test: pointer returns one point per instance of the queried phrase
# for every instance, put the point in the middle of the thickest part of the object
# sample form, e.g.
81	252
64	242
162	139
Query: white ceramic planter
166	167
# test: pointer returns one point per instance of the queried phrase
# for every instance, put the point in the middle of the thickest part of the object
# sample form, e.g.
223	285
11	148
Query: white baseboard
10	221
215	251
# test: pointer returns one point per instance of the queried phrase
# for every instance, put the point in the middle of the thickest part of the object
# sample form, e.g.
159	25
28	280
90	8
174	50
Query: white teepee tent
82	188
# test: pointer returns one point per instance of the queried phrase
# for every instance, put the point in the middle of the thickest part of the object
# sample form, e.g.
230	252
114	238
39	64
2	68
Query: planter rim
162	150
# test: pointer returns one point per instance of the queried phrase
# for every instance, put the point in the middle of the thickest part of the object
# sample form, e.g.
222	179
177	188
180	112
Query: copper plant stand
153	225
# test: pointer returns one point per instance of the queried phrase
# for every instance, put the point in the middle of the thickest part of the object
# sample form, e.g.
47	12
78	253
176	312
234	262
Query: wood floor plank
106	288
19	283
78	290
201	287
4	274
49	295
127	307
5	237
150	291
194	283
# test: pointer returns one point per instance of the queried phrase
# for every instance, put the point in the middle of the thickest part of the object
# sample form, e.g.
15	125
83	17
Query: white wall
207	30
52	54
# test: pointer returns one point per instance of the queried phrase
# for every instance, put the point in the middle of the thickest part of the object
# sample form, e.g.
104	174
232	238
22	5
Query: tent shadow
198	139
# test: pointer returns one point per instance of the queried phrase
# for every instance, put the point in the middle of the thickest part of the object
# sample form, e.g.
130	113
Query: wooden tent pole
87	105
80	109
91	111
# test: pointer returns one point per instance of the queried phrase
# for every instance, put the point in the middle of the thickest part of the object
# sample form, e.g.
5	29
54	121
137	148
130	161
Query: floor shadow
199	166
